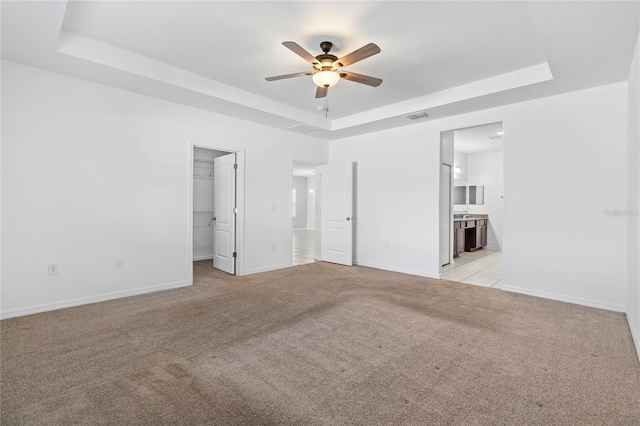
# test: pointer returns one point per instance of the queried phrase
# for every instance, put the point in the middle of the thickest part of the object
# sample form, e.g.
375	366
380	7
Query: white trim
266	269
203	257
567	299
634	335
300	229
401	270
488	247
90	299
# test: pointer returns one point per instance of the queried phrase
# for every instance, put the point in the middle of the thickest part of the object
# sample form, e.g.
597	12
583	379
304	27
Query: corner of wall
633	206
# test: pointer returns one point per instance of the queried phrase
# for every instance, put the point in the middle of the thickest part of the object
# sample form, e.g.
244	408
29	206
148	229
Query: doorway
475	200
217	194
303	212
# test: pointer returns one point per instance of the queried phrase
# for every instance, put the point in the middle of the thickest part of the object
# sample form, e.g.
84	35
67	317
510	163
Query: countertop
459	218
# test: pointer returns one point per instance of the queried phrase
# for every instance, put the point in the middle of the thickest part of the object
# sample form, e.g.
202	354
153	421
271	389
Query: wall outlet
386	246
119	263
273	246
52	269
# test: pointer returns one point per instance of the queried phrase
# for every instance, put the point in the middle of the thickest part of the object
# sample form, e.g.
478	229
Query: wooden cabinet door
484	235
479	237
459	241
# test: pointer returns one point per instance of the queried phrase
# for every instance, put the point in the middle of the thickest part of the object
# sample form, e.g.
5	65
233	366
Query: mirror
476	194
459	195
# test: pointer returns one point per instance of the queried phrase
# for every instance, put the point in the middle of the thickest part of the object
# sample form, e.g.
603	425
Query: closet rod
197	160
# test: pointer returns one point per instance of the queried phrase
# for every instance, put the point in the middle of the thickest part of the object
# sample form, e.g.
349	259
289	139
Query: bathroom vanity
470	232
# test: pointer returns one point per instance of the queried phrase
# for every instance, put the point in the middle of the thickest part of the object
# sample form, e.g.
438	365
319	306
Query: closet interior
203	196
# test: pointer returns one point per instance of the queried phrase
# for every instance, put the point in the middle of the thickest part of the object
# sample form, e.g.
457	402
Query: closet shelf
202	177
197	160
203	211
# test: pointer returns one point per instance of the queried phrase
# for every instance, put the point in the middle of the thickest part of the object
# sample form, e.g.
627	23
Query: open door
445	214
224	207
336	204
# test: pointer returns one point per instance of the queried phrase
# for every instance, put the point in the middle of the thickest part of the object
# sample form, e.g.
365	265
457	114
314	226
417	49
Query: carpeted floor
321	344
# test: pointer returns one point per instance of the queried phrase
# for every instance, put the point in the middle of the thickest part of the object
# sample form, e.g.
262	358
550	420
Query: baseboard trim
567	299
492	248
46	307
634	335
266	269
401	270
205	257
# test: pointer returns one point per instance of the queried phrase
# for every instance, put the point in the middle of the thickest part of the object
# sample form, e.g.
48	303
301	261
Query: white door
445	214
224	204
336	211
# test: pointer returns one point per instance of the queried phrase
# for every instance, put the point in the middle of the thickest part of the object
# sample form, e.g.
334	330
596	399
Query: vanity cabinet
458	238
469	235
481	234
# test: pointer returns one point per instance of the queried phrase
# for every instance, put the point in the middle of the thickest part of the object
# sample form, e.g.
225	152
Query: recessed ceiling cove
441	57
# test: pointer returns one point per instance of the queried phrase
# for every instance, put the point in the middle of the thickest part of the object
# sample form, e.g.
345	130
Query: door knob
349	218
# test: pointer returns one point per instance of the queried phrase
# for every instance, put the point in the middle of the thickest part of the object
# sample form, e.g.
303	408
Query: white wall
486	169
91	173
300	184
633	158
397	197
564	165
460	160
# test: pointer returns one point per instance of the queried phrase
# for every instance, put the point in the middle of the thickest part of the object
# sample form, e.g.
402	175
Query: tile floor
304	246
482	267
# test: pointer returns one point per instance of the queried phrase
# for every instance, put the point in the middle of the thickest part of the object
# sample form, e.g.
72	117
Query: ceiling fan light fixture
326	78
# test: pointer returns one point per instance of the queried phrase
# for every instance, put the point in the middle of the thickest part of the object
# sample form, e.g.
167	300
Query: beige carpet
321	344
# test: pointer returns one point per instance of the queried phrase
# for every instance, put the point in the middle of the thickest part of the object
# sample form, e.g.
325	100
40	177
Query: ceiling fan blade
298	50
359	78
321	92
282	77
357	55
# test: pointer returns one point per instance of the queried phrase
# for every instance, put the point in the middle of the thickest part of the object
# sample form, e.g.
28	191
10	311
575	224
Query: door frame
316	256
449	219
240	203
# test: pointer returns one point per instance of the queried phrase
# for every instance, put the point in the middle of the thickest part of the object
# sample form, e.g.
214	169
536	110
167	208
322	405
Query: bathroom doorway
476	203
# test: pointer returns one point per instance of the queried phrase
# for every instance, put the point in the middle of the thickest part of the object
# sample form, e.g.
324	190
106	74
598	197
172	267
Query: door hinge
235	166
235	210
235	254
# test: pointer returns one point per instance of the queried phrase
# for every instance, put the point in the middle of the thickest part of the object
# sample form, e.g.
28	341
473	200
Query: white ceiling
485	138
445	57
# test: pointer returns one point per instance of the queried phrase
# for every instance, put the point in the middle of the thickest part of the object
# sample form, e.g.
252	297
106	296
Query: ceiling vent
418	115
302	128
494	137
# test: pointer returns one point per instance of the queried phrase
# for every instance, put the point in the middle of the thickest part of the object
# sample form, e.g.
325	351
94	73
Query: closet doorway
303	212
215	208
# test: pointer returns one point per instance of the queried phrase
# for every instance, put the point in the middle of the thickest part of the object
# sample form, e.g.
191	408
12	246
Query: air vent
418	115
302	128
495	137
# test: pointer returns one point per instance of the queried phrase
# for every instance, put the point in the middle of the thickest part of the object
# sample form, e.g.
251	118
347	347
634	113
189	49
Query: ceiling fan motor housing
326	60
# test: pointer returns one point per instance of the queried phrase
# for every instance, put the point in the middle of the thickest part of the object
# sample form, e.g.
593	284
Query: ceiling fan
327	68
